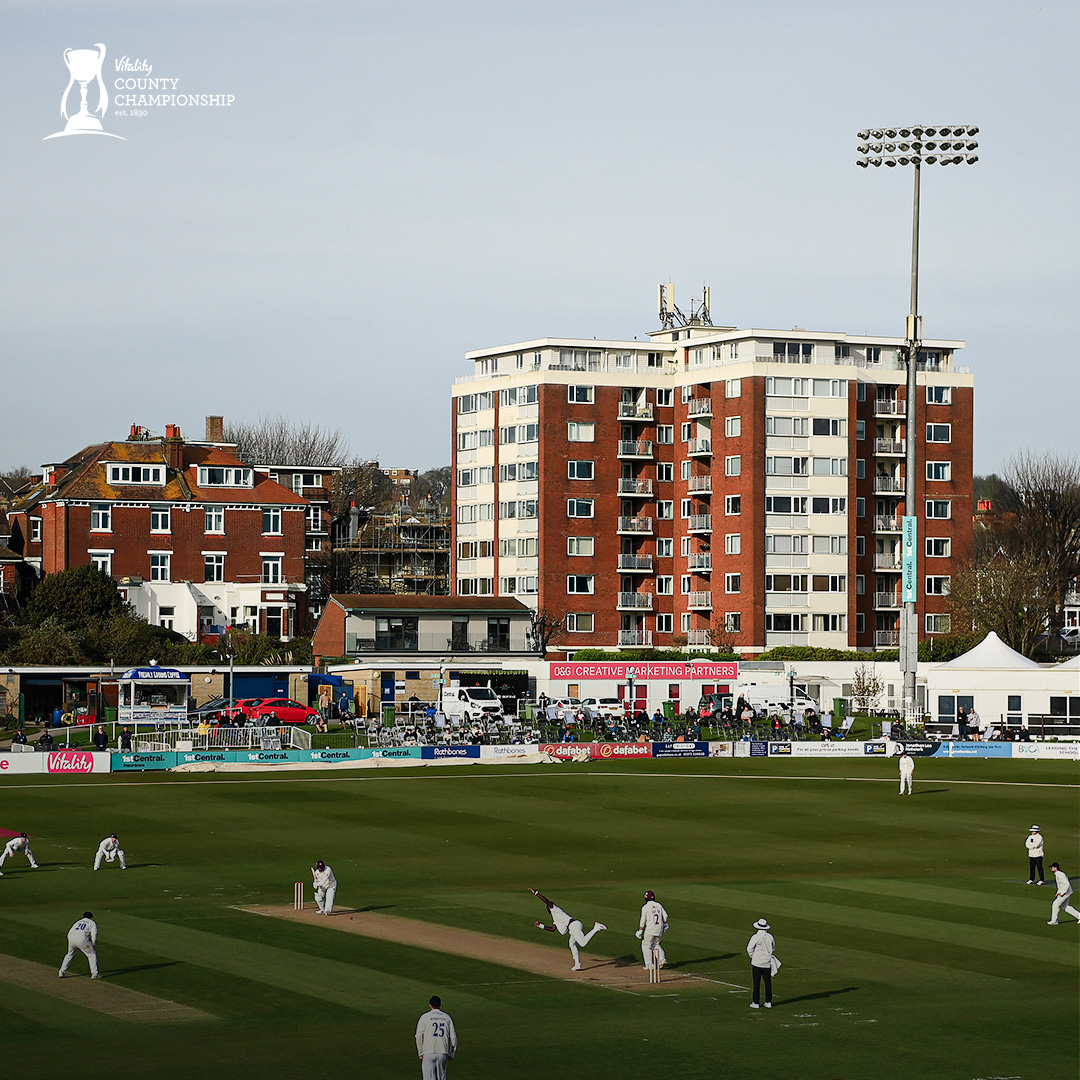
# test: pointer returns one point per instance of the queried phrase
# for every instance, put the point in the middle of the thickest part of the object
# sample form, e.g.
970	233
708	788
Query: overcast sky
397	183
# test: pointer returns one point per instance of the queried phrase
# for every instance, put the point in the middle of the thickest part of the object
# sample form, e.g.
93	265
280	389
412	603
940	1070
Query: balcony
886	562
639	638
699	407
700	561
884	523
700	485
699	523
888	407
699	601
638	526
886	600
699	638
888	485
635	564
631	410
887	639
635	601
699	447
632	488
639	448
890	446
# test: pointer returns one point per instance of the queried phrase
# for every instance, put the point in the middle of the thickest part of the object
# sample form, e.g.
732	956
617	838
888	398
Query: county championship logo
84	66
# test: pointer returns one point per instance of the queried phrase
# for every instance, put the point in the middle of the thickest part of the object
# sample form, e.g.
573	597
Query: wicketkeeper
110	850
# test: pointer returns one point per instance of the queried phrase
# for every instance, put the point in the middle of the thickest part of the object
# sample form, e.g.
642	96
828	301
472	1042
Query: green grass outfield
911	946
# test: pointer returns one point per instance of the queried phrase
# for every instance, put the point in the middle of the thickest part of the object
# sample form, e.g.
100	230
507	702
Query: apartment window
733	544
476	549
684	544
215	519
860	585
102	560
792	352
579	545
733	426
579	583
860	623
579	395
665	585
938	433
785	623
938	547
160	566
135	474
663	397
786	425
303	480
786	583
166	617
687	432
828	623
159	519
508	435
825	466
830	545
313	519
580	470
733	504
576	432
733	622
665	509
830	583
785	504
939	508
35	530
685	585
733	583
475	587
733	465
938	624
860	468
579	622
213	476
684	621
820	505
664	622
860	429
467	440
860	545
100	517
841	352
784	544
860	507
271	569
939	470
663	548
787	466
665	472
686	508
579	508
937	586
213	567
939	395
271	519
665	434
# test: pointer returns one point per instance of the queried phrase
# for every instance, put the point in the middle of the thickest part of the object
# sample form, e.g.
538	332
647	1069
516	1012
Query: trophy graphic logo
85	68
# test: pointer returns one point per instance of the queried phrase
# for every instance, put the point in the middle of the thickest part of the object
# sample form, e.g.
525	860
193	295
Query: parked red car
283	711
242	708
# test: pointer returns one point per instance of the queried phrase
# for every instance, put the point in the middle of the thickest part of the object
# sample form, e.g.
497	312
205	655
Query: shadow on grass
933	791
139	967
818	996
700	960
361	910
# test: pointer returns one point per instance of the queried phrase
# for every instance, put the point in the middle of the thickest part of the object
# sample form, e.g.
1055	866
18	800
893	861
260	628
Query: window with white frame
938	433
733	465
664	623
939	395
733	583
939	624
136	474
665	509
665	434
733	622
828	425
663	548
937	585
160	519
663	396
787	466
219	476
830	545
271	519
939	470
686	468
665	585
579	622
686	507
101	517
827	505
166	617
733	388
580	470
733	426
860	545
785	504
685	585
579	545
685	543
215	519
938	547
860	623
829	583
860	468
102	560
784	623
786	425
860	429
732	504
579	508
35	530
303	480
272	569
579	583
664	472
787	583
579	395
160	566
827	623
860	507
824	466
733	544
939	508
860	585
687	432
213	566
580	432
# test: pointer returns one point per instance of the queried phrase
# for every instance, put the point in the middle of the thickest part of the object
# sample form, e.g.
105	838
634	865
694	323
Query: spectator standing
20	737
436	1040
1064	891
761	949
46	742
961	723
101	739
974	724
1034	845
125	739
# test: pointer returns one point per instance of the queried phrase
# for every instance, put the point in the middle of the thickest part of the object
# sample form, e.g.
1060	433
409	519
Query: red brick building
197	539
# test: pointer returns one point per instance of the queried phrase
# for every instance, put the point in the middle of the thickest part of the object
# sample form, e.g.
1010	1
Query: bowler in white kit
565	924
110	850
82	936
651	930
325	885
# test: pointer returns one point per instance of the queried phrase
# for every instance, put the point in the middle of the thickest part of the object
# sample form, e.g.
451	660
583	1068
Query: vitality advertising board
442	752
680	749
77	761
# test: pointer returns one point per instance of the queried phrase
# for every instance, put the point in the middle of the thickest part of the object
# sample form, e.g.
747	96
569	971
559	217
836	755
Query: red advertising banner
70	761
601	751
645	670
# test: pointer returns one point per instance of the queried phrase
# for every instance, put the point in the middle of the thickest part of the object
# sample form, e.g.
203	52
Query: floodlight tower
949	144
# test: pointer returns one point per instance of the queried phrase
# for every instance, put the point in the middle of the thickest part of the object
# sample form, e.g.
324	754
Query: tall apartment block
710	485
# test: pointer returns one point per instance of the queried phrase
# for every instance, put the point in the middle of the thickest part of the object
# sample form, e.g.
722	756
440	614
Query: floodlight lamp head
877	147
930	132
904	146
864	148
890	148
930	159
890	162
916	131
972	158
905	133
876	162
905	160
862	162
890	133
864	135
973	131
971	145
876	133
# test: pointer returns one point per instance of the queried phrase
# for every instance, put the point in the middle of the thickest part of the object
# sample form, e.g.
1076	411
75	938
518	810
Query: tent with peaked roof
992	652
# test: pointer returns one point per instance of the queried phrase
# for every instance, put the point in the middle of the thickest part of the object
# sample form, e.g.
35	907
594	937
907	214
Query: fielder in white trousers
13	847
436	1041
83	937
110	850
907	772
1064	891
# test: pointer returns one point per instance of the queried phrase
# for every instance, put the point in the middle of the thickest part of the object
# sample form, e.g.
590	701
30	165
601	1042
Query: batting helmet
320	865
24	836
650	895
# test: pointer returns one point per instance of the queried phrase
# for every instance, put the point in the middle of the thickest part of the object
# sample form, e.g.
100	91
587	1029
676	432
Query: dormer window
136	474
219	476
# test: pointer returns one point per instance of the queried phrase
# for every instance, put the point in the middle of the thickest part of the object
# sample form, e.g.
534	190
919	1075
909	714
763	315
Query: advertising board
680	749
443	752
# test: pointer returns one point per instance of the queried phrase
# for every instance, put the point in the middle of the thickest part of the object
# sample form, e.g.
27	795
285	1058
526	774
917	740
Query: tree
277	440
866	687
547	628
364	485
75	599
434	486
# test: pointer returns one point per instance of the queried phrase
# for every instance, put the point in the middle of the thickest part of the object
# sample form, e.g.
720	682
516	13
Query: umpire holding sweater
760	949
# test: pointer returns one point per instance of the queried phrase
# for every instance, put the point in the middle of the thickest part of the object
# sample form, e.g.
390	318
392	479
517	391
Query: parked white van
470	702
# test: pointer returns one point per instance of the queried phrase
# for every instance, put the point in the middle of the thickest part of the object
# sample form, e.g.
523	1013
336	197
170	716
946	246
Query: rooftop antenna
670	315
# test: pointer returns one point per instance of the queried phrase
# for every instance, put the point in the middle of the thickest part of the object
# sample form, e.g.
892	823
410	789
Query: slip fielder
14	846
110	850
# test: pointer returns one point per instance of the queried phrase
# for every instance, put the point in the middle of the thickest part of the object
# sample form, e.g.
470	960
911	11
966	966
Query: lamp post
949	144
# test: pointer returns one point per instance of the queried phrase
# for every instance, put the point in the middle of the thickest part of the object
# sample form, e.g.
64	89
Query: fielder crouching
110	850
325	886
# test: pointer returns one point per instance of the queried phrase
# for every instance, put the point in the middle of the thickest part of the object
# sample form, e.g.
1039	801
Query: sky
394	184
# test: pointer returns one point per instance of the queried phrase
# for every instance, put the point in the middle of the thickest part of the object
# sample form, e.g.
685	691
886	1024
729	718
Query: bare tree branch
277	440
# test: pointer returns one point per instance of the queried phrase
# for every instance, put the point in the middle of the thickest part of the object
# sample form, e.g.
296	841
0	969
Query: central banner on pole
908	562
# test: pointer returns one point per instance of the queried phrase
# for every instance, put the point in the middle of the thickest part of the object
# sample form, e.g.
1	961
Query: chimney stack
215	429
173	444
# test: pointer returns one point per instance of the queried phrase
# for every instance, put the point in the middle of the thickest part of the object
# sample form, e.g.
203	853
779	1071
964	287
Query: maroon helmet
650	895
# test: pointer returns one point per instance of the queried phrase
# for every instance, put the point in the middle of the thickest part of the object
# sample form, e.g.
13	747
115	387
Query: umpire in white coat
761	949
1034	845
